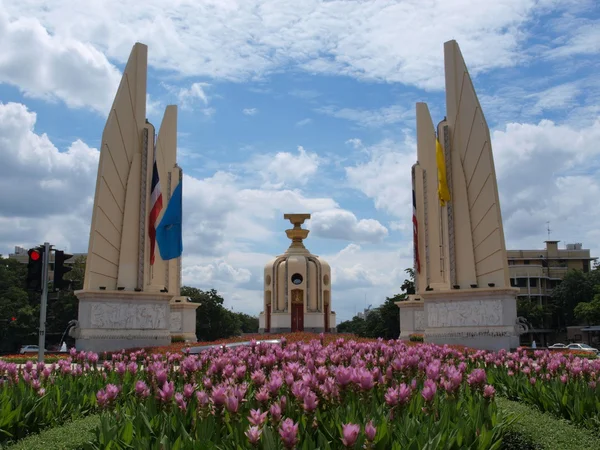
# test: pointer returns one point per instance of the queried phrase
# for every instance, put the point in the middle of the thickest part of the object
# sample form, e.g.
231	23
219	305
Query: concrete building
297	288
537	272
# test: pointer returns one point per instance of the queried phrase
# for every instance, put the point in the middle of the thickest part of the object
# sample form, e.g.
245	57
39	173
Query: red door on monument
268	319
326	318
297	317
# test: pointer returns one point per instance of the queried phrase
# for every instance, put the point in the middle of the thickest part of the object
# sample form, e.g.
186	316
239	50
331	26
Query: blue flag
168	232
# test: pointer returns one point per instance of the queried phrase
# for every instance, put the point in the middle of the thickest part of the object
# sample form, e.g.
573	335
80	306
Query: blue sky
289	106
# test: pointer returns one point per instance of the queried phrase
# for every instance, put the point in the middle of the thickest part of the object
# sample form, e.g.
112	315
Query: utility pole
43	303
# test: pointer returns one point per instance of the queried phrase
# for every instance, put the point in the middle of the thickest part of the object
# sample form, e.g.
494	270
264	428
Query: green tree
213	320
408	287
576	287
589	312
535	314
355	326
249	324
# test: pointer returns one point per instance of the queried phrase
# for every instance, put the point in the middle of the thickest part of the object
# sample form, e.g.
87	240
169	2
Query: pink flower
141	389
289	433
253	435
370	431
166	393
404	393
429	390
350	433
202	398
111	391
532	380
219	395
180	401
489	391
564	379
262	395
275	412
101	398
188	390
310	402
365	379
391	397
256	417
477	378
232	404
343	376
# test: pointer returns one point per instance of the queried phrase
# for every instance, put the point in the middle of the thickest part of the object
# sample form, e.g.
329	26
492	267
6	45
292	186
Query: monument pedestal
481	318
183	319
115	320
412	317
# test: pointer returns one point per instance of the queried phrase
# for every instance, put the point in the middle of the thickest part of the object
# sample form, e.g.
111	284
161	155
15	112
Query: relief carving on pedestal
128	316
176	321
419	320
464	313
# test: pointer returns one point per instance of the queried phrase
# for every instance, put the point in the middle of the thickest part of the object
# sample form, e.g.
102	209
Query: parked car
29	349
557	345
582	348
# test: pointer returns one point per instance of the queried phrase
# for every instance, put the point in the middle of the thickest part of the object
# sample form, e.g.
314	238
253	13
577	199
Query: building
297	288
537	272
21	255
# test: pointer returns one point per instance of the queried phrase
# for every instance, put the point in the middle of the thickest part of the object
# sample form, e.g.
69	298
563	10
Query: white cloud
385	178
370	118
52	67
304	122
342	224
286	169
188	98
367	40
250	111
548	172
584	39
44	191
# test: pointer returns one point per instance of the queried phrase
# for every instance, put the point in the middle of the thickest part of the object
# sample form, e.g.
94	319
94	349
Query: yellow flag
443	191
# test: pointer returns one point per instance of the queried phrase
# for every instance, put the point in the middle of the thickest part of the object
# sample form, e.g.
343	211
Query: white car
29	349
558	346
582	347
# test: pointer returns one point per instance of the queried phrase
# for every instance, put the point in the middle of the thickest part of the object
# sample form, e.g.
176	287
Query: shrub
415	338
535	430
71	436
176	339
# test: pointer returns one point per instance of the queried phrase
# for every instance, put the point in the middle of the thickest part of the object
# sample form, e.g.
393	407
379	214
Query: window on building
511	262
521	282
513	282
526	261
586	266
533	282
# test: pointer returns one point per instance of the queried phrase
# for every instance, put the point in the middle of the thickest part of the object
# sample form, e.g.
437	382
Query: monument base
483	318
314	322
412	317
183	319
116	320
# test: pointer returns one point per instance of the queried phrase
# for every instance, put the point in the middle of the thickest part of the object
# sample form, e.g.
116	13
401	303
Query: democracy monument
463	294
297	288
131	291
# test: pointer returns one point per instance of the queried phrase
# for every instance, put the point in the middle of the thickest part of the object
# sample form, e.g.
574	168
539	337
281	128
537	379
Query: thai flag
155	208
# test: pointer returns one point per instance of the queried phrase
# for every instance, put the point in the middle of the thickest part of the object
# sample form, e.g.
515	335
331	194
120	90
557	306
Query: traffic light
35	269
60	270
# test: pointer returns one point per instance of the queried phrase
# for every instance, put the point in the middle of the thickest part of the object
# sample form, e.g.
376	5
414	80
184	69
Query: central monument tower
297	287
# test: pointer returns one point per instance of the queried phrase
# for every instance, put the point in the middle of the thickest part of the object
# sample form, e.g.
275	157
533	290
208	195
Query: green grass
71	436
534	430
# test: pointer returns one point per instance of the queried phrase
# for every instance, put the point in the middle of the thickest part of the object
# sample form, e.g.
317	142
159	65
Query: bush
415	338
176	339
71	436
535	430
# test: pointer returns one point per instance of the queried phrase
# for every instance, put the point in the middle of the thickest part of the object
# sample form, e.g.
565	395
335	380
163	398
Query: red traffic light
34	255
13	319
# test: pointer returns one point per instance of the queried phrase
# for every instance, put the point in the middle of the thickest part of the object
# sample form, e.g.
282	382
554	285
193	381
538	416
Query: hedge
71	436
534	430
